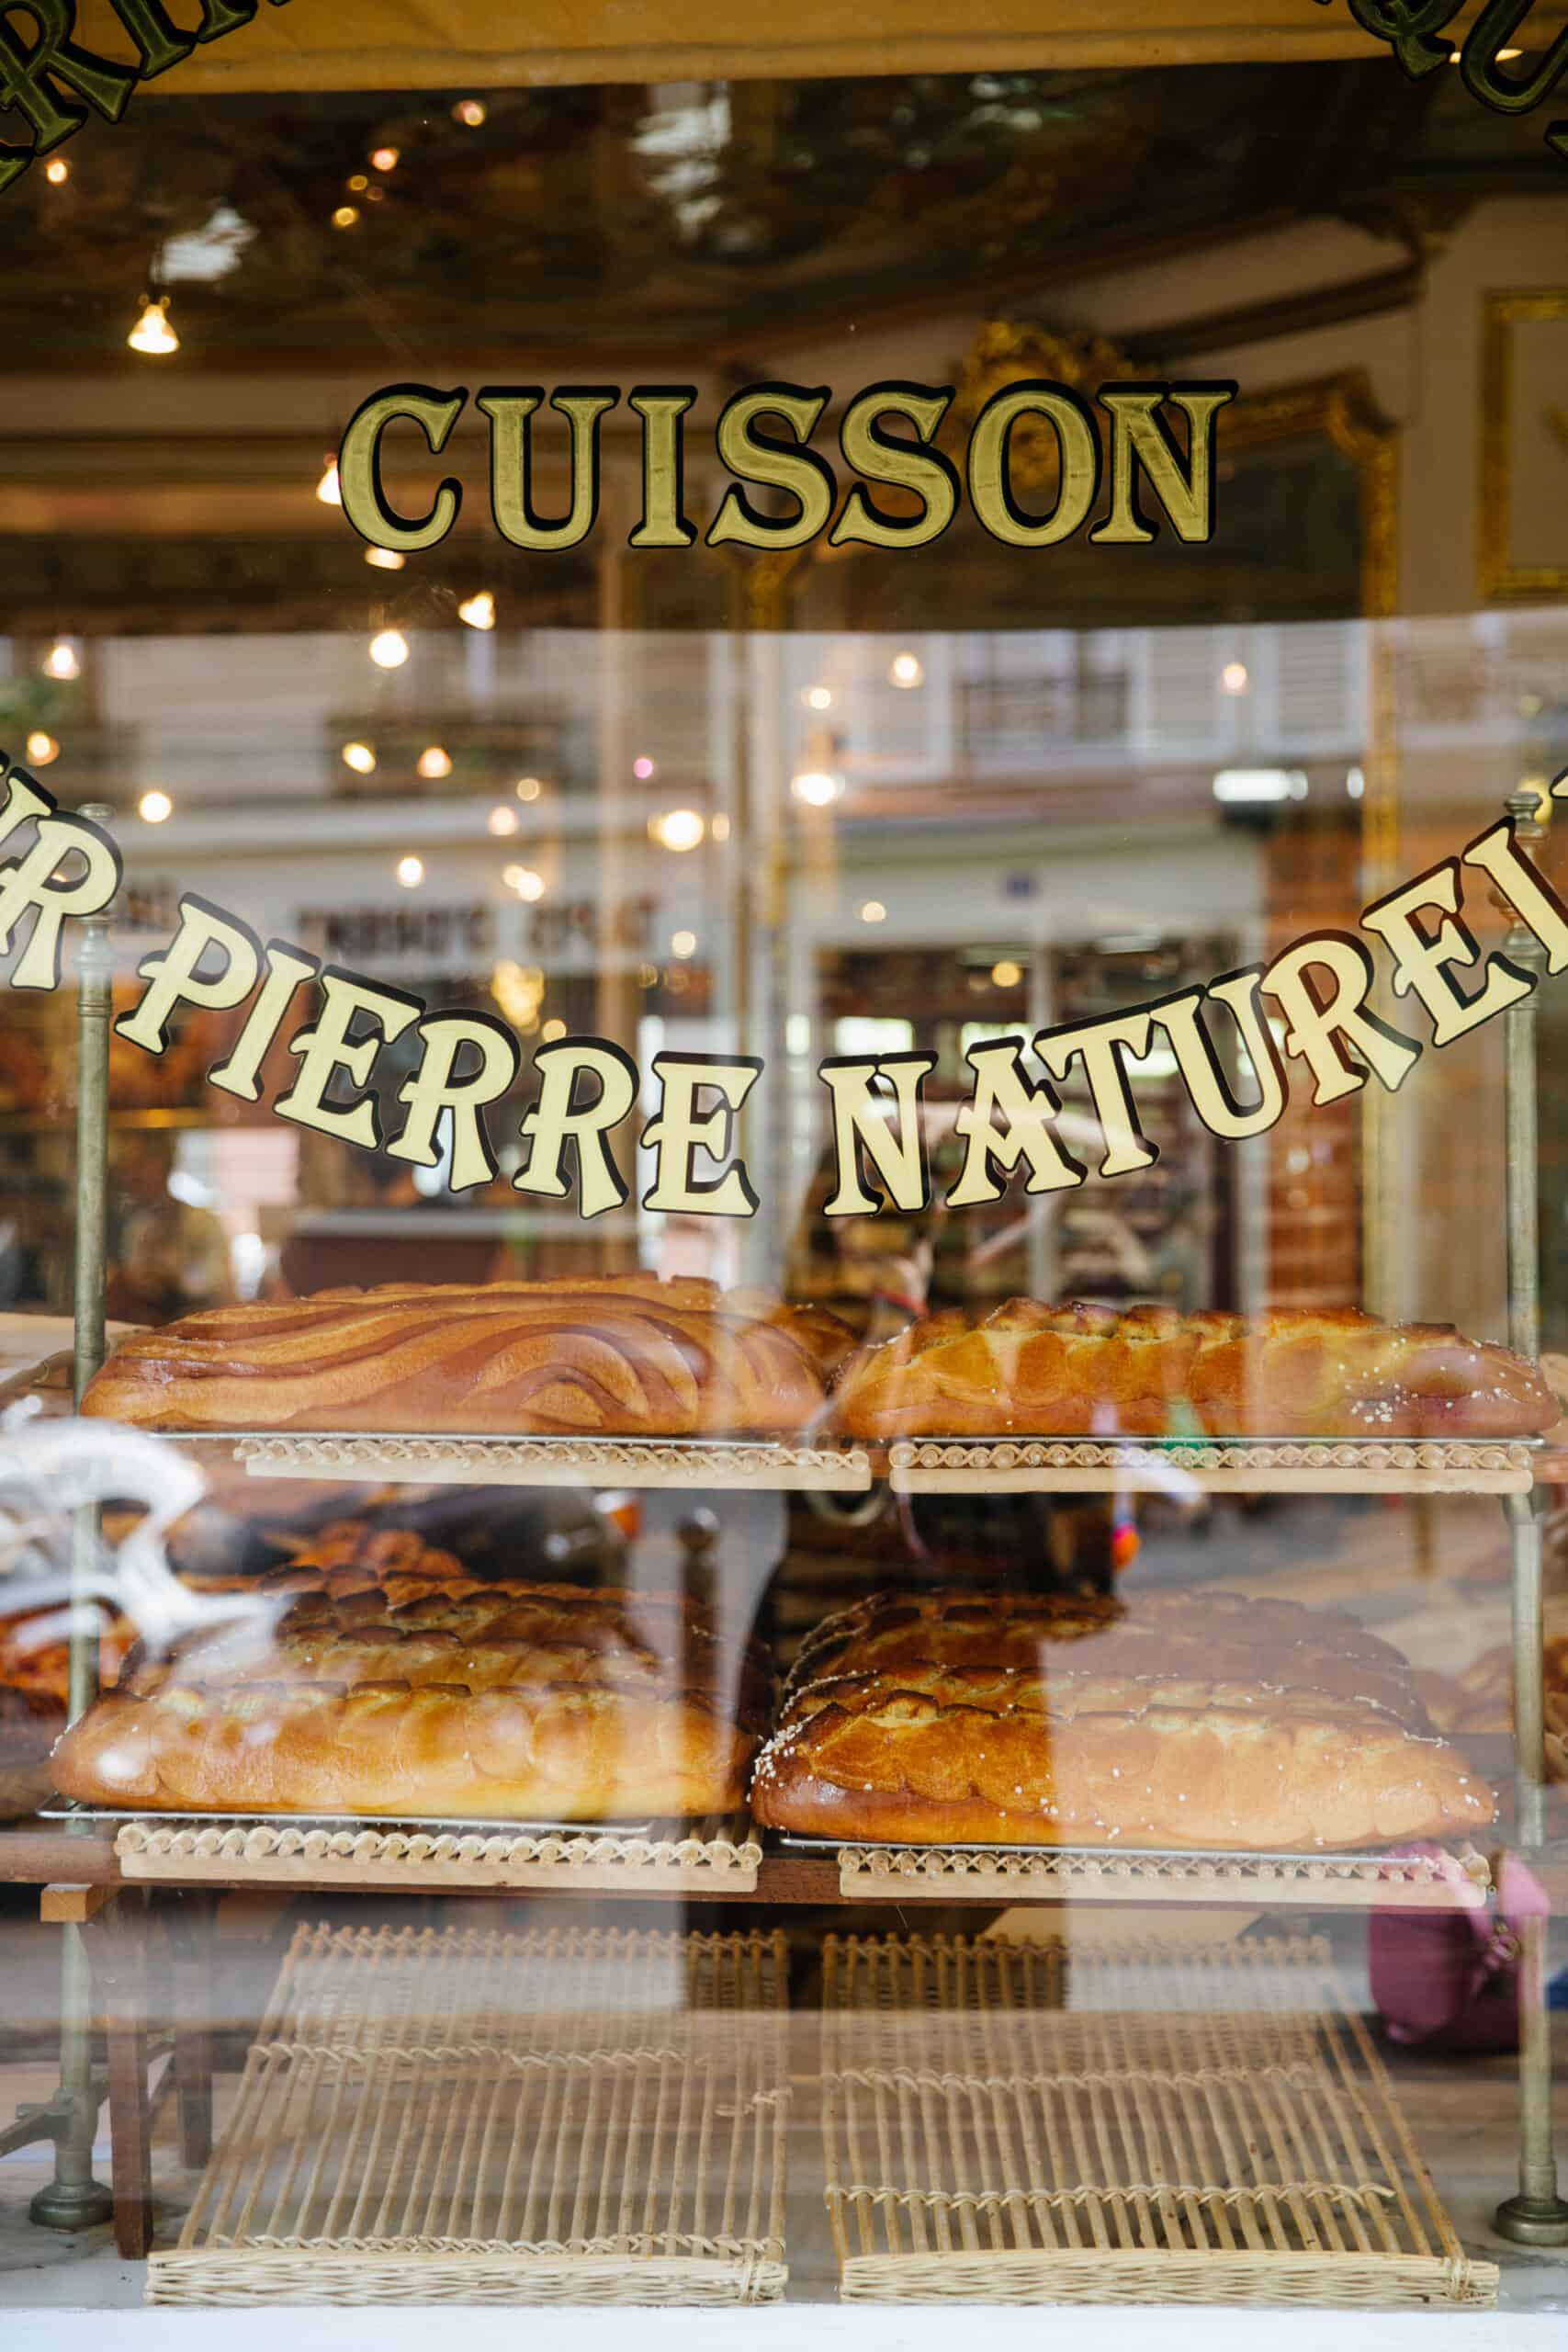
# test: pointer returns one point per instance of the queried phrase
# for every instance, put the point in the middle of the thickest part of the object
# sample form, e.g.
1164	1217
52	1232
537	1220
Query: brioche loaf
1192	1721
451	1701
617	1356
1080	1370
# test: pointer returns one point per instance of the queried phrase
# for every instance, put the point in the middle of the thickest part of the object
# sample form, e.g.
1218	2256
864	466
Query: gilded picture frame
1501	577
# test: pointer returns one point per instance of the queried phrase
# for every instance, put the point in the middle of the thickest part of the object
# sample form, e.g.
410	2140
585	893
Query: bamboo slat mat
1208	2125
454	2115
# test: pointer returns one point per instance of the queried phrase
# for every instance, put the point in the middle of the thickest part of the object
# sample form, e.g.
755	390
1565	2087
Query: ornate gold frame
1343	411
1497	581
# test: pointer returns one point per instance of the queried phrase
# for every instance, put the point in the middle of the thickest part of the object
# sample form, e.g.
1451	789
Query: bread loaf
1203	1721
1080	1370
620	1356
453	1701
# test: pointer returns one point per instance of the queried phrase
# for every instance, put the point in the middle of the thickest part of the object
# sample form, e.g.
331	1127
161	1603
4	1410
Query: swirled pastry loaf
1081	1371
1197	1720
617	1356
451	1701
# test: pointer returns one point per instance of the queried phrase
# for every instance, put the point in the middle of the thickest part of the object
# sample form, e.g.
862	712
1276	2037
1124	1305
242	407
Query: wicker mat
1211	2126
569	2116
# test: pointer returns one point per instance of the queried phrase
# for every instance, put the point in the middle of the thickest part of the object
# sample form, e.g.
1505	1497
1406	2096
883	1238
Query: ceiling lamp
384	159
346	216
478	611
1233	678
153	808
1006	974
469	112
873	911
329	490
360	758
411	872
389	649
678	829
643	768
815	788
434	765
502	821
62	661
524	881
906	669
385	559
57	171
684	944
153	332
528	788
41	748
819	698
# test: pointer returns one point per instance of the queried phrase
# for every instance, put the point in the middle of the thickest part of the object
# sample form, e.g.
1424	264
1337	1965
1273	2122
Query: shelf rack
1537	2214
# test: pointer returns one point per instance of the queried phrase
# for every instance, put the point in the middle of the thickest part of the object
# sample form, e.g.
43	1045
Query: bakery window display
1198	1722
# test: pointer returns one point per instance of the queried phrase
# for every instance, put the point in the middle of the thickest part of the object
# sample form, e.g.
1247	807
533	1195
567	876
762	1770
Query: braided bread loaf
615	1356
450	1700
1079	1371
1195	1721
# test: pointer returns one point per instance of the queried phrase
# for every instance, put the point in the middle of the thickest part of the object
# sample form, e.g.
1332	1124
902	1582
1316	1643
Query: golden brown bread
1203	1721
1078	1371
449	1700
613	1356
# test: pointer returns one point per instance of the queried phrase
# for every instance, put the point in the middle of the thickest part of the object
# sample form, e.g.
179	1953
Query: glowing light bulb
385	559
684	944
1006	974
384	159
389	649
434	764
411	872
551	1030
502	821
346	216
329	490
528	788
153	808
57	171
906	669
41	748
478	611
815	788
678	829
524	881
873	911
819	698
469	112
62	661
643	768
360	758
153	332
1233	678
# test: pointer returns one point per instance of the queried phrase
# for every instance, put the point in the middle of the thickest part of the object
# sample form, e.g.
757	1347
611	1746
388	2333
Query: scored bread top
1026	1369
602	1356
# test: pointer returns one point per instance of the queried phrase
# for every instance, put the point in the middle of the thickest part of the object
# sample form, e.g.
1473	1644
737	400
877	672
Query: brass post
74	2200
1538	2215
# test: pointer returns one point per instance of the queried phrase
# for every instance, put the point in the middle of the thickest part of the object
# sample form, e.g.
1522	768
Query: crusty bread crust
450	1700
1027	1369
1193	1721
615	1356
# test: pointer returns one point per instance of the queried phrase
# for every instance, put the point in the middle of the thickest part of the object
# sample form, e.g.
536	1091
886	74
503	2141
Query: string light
389	649
42	750
411	872
873	911
528	788
677	829
153	808
502	821
62	661
358	184
346	216
478	611
384	159
385	559
57	171
524	881
815	788
329	490
906	669
360	758
469	112
434	765
152	333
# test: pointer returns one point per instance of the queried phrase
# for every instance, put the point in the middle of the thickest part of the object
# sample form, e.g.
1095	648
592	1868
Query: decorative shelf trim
733	1463
947	1874
1234	1466
689	1856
